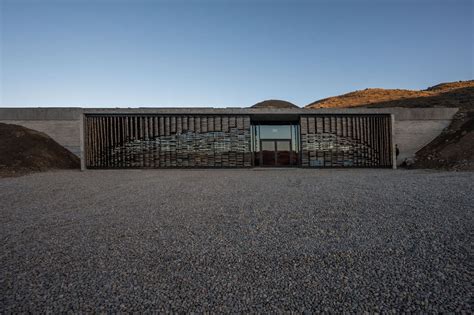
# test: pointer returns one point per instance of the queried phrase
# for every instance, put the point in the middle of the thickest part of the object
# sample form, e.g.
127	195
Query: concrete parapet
41	113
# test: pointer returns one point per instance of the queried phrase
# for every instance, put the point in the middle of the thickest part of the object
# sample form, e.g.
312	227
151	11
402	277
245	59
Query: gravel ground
237	241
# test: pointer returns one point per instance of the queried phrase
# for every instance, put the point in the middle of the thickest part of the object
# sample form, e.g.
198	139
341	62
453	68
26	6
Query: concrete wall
414	127
60	124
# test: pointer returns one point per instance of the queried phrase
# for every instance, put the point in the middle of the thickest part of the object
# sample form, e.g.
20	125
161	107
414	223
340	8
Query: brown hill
453	94
24	150
274	104
448	86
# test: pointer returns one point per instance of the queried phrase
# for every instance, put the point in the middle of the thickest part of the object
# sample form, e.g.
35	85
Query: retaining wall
61	124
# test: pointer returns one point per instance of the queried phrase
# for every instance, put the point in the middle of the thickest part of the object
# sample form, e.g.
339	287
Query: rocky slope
453	149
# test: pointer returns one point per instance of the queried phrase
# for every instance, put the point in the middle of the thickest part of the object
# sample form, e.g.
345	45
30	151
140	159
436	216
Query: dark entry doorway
276	153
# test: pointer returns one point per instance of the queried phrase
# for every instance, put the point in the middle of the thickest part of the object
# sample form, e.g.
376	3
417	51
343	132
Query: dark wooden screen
161	141
346	141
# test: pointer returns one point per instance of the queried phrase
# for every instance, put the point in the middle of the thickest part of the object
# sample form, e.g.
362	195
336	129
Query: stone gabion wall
346	141
163	141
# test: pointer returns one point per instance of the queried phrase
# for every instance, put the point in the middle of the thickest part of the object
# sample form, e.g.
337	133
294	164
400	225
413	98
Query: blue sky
107	53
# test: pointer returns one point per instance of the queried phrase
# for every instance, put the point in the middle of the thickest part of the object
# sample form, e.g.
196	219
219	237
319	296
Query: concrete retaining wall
412	135
61	124
64	132
414	127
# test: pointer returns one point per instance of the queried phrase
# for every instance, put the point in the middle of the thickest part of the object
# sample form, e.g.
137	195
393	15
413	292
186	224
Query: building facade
236	137
226	140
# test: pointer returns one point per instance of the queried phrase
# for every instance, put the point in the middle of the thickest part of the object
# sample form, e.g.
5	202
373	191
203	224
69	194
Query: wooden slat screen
164	141
346	141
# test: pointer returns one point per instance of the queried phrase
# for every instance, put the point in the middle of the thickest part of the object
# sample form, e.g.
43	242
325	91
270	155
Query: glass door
275	145
283	153
268	153
275	153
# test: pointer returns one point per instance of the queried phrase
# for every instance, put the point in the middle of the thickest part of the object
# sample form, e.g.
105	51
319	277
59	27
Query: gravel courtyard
237	241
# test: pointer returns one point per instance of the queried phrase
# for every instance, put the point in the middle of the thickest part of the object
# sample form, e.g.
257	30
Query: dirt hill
454	94
24	150
453	148
274	104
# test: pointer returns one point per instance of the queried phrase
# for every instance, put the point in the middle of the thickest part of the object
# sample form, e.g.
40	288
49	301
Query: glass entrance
275	145
276	153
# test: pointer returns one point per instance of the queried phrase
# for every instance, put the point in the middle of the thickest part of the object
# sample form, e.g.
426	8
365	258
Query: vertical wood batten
87	141
97	145
382	130
91	144
110	125
370	138
110	143
381	119
103	152
365	140
102	141
377	141
94	140
374	141
116	139
125	141
112	140
387	139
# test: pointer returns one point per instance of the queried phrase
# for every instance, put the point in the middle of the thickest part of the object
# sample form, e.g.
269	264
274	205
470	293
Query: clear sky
107	53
